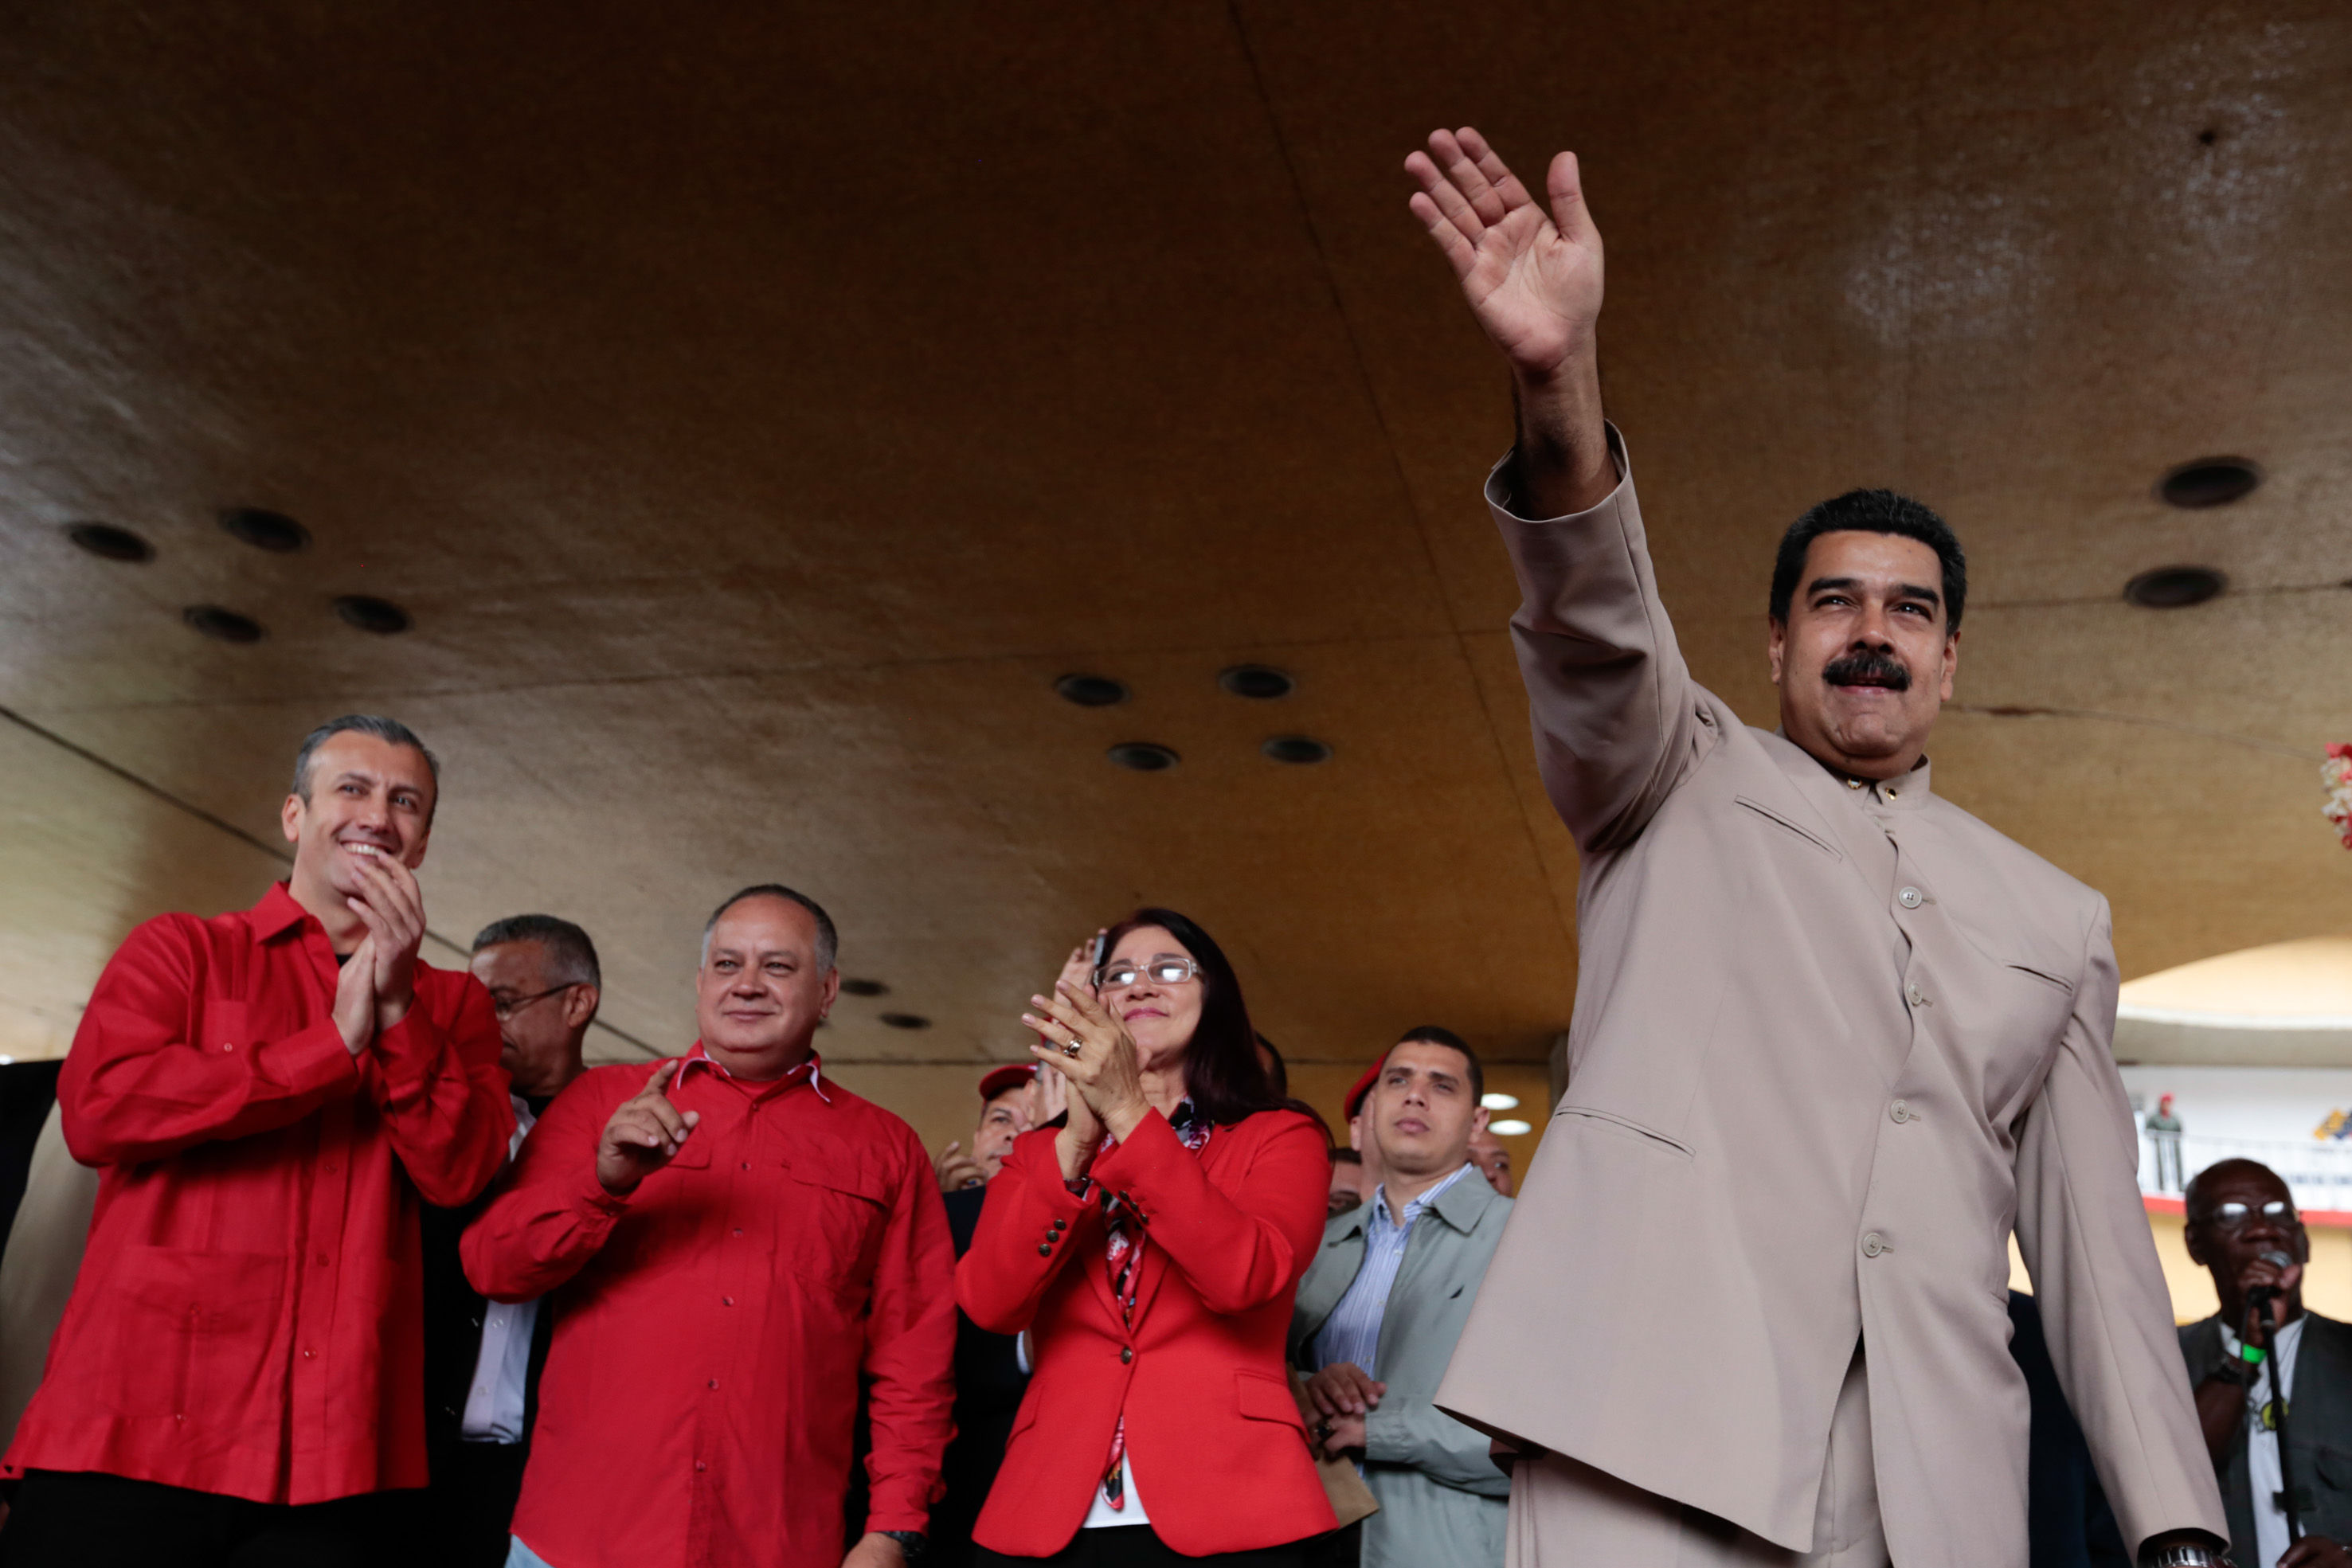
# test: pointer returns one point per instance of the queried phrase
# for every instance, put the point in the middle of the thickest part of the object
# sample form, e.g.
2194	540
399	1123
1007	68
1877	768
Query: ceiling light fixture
1514	1128
1296	748
369	613
2175	587
108	542
1090	691
273	531
1260	682
222	625
905	1020
1143	755
1499	1101
2209	482
863	987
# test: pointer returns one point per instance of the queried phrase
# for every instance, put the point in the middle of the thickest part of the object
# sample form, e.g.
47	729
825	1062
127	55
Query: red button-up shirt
710	1328
248	1318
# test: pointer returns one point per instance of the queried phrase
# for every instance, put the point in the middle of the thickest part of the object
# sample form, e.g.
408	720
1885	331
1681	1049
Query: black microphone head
2277	1260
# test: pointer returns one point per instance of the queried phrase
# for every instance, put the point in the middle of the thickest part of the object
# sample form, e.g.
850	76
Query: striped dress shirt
1353	1331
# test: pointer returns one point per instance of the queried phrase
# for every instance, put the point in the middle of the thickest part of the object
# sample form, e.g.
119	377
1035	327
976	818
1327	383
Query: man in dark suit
990	1373
2241	1220
482	1358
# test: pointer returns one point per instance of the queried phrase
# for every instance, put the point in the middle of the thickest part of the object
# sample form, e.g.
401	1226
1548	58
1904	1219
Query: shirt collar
1412	1210
814	1068
277	912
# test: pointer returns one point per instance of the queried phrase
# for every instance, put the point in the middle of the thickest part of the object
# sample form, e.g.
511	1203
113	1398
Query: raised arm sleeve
911	1352
2104	1310
549	1215
1618	720
138	1085
1242	1250
435	1077
1002	1275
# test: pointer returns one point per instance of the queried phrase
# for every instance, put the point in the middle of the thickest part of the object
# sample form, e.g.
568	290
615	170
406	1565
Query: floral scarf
1123	1255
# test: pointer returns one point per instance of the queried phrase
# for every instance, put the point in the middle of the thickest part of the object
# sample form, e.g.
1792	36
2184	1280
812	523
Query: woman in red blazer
1152	1247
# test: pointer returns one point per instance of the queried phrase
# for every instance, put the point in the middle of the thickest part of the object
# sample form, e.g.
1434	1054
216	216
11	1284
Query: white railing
2317	1171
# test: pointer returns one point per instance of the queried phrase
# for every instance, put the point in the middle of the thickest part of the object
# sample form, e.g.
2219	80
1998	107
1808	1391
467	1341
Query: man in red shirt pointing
733	1241
267	1094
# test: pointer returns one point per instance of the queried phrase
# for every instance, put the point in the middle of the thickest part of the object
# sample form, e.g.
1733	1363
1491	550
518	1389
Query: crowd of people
377	1269
380	1272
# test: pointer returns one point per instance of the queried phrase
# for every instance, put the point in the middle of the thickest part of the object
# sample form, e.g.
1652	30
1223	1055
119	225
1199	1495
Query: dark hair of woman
1222	1075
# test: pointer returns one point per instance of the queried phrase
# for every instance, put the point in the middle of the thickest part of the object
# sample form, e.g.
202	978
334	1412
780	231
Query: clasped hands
378	982
1343	1394
1083	1042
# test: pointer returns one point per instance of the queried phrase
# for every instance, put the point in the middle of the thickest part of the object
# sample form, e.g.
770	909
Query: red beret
1012	1075
1355	1098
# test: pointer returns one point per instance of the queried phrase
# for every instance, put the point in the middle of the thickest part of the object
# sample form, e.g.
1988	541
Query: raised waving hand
1533	278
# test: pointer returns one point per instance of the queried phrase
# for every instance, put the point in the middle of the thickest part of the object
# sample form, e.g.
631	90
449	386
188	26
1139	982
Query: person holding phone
1151	1246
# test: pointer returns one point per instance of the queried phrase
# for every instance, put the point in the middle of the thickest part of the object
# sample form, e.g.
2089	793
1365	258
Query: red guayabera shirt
710	1328
248	1318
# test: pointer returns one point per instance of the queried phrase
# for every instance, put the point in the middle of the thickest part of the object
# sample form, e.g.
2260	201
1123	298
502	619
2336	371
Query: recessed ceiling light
369	613
2209	482
863	988
905	1020
2175	587
1499	1101
108	542
272	531
1259	681
1143	755
1514	1128
222	625
1090	691
1296	748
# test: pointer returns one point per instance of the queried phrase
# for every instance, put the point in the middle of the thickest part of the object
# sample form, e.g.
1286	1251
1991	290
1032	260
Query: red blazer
1220	1456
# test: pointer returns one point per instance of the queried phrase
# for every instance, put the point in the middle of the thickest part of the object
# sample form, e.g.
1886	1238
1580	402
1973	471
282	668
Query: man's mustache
1867	668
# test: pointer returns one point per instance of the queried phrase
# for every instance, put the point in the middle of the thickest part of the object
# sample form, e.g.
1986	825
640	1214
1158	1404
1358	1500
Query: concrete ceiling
756	408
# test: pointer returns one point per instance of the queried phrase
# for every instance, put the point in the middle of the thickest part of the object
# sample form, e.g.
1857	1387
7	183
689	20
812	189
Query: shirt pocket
191	1332
836	1211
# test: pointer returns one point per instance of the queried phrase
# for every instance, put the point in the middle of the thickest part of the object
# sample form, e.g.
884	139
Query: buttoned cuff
595	1203
918	1519
314	1060
1498	497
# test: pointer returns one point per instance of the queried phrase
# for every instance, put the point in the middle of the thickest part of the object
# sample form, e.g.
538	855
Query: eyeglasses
1161	971
507	1006
2236	1216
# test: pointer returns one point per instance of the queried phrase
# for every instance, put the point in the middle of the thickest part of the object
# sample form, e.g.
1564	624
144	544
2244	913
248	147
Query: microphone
2260	1295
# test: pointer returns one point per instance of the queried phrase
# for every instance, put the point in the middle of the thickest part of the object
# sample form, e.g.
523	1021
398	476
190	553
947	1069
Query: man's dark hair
571	956
1434	1034
1872	512
389	730
1346	1157
828	940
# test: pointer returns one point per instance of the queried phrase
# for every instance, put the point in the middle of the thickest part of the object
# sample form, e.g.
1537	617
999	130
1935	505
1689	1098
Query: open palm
1532	278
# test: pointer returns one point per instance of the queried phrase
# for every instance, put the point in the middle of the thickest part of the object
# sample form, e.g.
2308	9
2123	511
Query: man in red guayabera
735	1244
266	1095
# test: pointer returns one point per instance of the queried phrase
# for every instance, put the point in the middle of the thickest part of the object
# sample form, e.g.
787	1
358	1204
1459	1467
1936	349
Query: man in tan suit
1833	1038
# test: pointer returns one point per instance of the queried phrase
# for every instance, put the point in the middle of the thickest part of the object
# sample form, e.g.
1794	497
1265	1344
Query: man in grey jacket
1383	1302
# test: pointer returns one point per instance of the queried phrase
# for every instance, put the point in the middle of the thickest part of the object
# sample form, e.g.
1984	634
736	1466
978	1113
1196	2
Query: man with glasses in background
2241	1223
482	1358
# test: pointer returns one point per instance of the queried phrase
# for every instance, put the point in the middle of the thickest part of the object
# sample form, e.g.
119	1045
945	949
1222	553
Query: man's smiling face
365	796
1867	657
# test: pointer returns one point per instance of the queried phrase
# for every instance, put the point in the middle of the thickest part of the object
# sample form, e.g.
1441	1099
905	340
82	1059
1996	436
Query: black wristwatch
910	1543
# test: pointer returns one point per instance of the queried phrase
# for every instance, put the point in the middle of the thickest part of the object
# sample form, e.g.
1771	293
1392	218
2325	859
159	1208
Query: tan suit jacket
1831	1042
